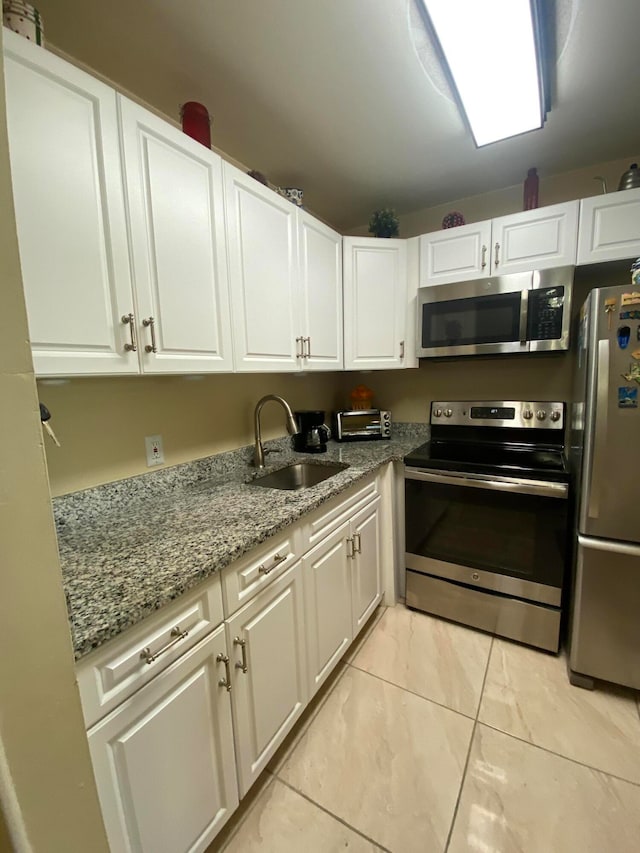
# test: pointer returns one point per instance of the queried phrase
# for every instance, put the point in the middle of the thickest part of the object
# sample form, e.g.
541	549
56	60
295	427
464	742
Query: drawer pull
357	549
277	559
148	656
224	682
243	645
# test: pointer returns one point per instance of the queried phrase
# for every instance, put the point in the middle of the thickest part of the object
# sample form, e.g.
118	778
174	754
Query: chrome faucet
292	427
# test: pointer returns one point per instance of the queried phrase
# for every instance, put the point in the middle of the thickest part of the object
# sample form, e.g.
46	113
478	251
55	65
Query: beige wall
48	795
101	423
553	190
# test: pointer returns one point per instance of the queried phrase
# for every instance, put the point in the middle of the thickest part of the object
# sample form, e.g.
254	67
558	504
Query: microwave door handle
524	307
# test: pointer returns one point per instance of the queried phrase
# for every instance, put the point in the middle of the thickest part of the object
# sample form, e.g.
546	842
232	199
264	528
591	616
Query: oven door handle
477	481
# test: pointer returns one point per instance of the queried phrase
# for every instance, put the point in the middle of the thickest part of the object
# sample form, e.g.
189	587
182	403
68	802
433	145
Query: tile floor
432	737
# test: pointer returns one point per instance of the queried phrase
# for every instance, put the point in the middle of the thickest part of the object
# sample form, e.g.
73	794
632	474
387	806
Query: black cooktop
516	460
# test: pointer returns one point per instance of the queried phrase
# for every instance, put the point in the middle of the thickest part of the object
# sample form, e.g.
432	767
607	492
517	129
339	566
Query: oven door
498	533
474	318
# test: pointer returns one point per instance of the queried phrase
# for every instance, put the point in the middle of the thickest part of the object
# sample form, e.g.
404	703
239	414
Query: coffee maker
313	434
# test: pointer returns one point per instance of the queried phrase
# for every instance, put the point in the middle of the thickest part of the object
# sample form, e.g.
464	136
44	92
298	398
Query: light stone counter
130	547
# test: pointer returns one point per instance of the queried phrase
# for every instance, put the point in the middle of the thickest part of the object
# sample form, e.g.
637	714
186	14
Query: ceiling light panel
491	51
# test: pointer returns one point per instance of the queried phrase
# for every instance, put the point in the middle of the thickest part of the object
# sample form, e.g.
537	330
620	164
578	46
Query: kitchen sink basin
299	476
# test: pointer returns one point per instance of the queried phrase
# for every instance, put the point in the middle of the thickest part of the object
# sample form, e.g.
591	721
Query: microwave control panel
545	313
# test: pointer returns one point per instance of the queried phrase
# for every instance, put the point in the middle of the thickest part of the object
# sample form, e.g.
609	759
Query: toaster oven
361	425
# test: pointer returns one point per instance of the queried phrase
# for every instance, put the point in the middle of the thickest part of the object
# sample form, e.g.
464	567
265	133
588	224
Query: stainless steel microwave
520	313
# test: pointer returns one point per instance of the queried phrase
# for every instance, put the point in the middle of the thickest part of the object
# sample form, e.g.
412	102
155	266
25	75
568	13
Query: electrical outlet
155	453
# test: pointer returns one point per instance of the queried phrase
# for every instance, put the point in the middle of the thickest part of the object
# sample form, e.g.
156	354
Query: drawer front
331	515
257	569
115	671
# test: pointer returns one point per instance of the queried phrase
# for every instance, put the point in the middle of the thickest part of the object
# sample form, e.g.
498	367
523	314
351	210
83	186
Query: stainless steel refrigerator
605	444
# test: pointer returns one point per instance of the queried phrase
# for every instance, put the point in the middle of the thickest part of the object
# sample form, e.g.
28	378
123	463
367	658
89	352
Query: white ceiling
344	97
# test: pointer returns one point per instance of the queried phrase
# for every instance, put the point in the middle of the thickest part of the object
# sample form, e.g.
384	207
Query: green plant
384	223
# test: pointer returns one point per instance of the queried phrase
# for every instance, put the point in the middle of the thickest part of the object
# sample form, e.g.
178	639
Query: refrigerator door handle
600	427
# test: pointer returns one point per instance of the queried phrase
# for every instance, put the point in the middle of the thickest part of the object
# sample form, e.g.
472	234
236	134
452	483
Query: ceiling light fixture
494	51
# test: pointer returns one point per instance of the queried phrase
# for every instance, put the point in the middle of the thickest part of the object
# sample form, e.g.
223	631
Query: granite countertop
130	547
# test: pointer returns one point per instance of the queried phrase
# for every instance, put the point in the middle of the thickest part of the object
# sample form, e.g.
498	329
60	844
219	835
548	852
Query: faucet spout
292	427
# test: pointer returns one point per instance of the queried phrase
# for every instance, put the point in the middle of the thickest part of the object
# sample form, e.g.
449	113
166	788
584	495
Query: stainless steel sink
299	476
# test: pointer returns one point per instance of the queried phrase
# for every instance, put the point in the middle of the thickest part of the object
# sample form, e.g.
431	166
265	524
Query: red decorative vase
196	122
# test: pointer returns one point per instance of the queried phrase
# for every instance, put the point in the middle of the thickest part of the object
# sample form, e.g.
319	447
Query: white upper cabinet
70	214
285	271
320	264
455	254
609	227
175	198
262	245
534	239
375	302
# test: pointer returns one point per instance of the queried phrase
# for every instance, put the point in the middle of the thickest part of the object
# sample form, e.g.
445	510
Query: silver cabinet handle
350	554
277	559
151	323
148	656
130	320
306	354
484	258
497	257
300	352
357	549
243	646
224	682
401	349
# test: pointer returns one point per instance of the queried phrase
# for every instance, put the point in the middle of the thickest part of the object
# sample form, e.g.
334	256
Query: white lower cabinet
268	672
176	741
366	581
327	594
164	760
342	588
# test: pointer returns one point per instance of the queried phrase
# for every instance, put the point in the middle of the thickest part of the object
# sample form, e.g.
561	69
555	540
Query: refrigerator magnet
636	354
624	336
627	397
630	299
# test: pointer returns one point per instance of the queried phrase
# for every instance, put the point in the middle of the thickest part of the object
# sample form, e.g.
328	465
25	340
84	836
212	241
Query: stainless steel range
487	518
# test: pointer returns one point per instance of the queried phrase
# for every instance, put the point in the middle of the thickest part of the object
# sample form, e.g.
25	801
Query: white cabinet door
70	213
263	270
375	303
609	227
535	239
366	583
320	277
327	594
164	760
178	245
455	254
267	639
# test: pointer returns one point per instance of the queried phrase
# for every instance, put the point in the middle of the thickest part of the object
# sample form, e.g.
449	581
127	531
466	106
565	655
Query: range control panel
517	414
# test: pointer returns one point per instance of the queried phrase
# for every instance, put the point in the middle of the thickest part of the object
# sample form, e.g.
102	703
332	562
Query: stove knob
437	413
541	414
555	416
447	413
527	414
